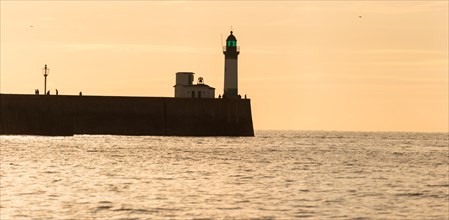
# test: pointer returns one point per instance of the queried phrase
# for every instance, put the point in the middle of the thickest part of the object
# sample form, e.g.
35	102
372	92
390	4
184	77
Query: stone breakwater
68	115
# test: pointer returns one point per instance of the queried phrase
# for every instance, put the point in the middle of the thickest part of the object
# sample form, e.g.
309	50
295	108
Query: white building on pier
185	88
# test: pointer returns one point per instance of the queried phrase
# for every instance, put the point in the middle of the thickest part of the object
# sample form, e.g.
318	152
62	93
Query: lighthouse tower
231	52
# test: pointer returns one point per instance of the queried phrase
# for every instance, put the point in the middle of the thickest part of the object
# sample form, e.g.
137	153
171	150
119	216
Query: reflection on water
275	175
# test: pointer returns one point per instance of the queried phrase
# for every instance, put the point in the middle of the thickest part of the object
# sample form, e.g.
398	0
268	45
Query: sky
305	65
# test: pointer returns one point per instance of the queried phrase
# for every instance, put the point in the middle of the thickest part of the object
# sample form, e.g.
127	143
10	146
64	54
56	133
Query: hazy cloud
137	48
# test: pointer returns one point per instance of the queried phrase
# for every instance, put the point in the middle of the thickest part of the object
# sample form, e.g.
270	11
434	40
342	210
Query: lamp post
45	71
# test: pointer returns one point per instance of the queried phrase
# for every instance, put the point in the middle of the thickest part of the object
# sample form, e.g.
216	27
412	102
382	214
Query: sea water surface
275	175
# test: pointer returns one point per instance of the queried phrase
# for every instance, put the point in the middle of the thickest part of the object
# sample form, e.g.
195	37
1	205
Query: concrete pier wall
69	115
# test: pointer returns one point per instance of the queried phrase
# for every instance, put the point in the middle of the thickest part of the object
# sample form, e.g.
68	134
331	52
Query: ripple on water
276	175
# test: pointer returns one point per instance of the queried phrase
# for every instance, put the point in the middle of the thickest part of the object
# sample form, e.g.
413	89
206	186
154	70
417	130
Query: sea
274	175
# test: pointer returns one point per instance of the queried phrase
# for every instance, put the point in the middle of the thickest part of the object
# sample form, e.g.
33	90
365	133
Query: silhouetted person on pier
48	93
219	96
56	92
36	91
81	93
245	96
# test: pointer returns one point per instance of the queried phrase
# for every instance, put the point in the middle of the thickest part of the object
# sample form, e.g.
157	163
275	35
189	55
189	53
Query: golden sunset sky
306	65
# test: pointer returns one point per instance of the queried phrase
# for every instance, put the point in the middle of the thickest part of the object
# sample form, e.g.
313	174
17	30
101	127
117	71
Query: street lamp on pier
45	72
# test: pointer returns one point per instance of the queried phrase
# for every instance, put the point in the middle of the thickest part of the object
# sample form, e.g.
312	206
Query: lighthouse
231	52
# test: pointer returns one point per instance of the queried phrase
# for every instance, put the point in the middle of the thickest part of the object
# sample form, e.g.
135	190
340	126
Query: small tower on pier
231	52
